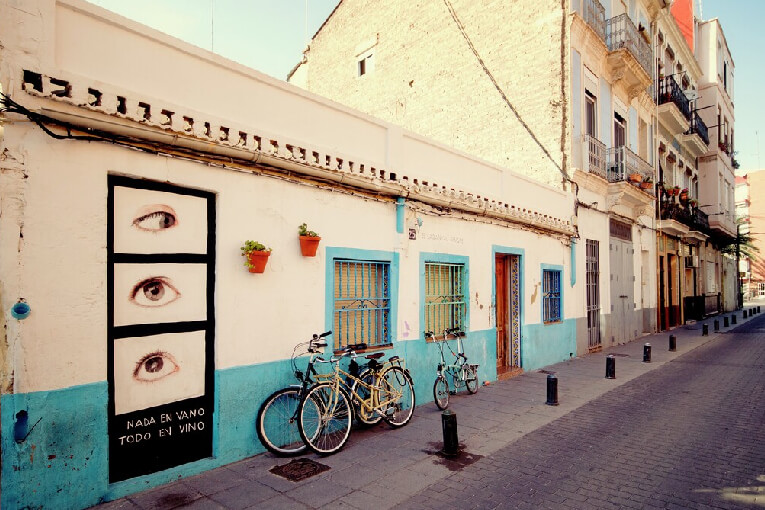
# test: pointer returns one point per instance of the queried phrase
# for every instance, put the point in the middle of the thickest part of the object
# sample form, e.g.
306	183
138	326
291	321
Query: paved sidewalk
381	467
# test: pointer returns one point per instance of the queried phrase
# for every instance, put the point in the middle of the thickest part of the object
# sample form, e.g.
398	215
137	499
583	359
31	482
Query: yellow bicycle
327	409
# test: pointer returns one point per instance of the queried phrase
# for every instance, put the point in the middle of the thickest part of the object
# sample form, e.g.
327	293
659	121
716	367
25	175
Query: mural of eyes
155	366
154	291
155	218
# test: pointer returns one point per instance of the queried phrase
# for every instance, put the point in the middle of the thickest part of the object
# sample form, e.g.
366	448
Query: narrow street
687	435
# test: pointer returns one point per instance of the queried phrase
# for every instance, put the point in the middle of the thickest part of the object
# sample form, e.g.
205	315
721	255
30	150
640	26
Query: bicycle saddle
376	355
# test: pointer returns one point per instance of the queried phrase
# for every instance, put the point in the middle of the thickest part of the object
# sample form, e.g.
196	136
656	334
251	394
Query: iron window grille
445	297
361	303
551	296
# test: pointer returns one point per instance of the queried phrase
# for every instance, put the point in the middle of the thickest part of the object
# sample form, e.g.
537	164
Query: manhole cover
299	469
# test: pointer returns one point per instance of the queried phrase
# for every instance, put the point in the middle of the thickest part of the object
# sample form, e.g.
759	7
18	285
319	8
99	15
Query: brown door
502	313
508	319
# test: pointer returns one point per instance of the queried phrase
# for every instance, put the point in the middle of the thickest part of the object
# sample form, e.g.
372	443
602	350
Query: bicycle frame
460	360
339	378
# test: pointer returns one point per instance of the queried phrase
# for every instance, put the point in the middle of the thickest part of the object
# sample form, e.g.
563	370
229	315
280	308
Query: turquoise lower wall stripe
63	463
545	344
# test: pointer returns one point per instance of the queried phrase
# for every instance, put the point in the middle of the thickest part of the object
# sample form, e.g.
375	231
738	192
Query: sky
270	36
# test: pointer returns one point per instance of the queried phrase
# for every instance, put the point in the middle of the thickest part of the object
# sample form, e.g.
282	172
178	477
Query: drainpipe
400	210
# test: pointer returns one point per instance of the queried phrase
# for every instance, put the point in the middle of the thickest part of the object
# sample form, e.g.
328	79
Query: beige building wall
515	118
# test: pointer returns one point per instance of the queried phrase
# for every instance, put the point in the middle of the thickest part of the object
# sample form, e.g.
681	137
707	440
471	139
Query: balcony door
620	130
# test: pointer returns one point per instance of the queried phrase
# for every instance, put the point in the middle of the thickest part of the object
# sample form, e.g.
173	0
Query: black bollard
552	390
672	343
725	322
743	316
647	353
733	319
758	308
717	325
610	367
449	424
705	330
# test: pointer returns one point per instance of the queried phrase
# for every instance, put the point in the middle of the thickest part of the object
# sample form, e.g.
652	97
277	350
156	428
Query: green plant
249	247
303	231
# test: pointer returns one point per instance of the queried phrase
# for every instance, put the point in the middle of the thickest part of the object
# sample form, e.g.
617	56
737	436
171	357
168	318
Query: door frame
503	253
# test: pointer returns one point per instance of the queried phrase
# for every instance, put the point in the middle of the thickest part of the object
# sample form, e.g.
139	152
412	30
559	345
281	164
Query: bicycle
326	411
277	417
461	372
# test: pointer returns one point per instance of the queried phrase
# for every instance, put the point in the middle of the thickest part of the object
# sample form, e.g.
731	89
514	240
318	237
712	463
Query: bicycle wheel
471	378
362	415
277	426
441	392
396	384
324	419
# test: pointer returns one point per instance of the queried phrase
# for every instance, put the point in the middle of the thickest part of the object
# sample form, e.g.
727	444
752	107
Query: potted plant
676	191
692	202
309	241
635	177
647	183
256	256
684	194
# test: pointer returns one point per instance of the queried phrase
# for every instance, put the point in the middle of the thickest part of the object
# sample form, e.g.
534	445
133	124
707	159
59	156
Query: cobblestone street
688	435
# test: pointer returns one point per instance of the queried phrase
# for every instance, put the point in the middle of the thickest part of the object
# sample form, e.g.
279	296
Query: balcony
674	107
623	197
594	15
697	136
629	57
683	220
622	163
595	156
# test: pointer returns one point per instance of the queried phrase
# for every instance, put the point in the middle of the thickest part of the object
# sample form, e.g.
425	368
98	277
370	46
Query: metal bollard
610	367
672	343
743	316
647	353
725	322
717	325
733	319
705	330
449	425
758	308
552	390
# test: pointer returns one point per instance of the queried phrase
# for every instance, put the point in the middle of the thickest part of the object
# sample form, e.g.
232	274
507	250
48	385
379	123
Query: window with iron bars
445	297
361	303
551	296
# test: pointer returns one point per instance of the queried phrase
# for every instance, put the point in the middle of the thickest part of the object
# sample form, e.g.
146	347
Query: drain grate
299	469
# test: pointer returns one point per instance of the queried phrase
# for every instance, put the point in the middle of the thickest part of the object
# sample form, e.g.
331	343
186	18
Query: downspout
400	210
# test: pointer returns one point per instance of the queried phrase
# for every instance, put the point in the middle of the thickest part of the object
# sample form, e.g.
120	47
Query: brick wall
428	80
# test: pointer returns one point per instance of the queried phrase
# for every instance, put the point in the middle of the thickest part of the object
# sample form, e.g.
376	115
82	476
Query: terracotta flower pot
309	245
637	178
258	261
646	185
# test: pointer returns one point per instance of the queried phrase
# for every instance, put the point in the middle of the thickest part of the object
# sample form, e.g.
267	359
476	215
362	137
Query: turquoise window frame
335	254
546	299
444	258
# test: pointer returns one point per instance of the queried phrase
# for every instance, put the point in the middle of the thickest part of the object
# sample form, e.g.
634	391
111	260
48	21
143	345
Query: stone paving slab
382	467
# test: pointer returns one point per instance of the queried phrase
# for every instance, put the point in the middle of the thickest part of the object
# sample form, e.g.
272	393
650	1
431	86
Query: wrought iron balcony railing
595	155
670	91
595	16
698	127
694	218
621	32
622	162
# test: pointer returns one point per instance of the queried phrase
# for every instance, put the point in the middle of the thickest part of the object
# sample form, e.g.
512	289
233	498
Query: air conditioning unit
692	261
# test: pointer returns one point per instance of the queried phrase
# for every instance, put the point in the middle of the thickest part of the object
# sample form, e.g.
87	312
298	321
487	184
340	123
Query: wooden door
502	312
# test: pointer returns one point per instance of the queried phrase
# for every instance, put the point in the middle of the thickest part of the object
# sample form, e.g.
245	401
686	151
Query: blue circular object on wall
21	310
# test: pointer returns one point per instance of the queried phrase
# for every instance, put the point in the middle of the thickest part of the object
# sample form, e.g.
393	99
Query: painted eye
154	291
156	217
155	366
